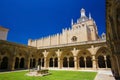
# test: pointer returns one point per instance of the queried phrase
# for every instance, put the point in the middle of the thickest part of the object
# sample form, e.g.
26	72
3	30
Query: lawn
55	75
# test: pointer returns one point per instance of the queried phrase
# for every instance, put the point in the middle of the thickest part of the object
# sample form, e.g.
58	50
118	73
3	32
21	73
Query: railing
73	44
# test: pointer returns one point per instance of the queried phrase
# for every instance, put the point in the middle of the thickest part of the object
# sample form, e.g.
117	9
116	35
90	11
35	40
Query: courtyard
60	75
55	75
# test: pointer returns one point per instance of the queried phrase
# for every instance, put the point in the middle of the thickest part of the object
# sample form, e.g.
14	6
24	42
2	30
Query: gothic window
74	38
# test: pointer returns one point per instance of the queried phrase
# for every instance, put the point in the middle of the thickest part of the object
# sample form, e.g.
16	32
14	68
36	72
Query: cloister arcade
92	57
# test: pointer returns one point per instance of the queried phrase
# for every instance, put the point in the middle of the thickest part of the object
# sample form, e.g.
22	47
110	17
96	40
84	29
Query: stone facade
3	33
113	34
84	30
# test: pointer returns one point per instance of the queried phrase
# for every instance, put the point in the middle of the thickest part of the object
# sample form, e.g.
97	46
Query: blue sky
38	18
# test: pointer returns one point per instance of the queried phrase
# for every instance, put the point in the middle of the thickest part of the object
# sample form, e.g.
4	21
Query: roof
4	29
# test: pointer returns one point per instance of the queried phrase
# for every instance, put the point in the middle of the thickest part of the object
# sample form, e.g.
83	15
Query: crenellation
84	30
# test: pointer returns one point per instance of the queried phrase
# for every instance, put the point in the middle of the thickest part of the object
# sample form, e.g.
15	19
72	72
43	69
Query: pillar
19	63
45	62
85	62
75	52
68	61
105	61
41	60
27	63
75	62
13	63
94	65
53	62
118	64
58	52
36	62
59	63
0	62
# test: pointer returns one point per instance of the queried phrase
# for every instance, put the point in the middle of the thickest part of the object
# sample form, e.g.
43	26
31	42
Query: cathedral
79	47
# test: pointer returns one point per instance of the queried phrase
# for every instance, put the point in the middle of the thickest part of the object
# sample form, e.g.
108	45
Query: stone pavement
104	75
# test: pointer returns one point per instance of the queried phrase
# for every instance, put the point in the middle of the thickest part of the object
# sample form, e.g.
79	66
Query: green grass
55	75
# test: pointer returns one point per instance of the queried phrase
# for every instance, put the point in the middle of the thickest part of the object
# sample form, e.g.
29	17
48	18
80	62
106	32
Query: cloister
86	56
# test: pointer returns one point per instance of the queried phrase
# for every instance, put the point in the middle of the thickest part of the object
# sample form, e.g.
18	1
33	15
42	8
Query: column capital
58	52
75	51
45	53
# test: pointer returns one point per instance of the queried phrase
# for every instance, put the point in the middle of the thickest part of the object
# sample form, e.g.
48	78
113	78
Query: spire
71	22
83	12
90	16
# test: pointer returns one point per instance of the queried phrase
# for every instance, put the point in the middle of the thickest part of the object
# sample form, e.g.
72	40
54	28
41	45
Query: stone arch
41	59
101	61
89	61
81	61
4	63
84	58
67	59
65	62
16	63
22	62
34	63
53	59
33	60
103	56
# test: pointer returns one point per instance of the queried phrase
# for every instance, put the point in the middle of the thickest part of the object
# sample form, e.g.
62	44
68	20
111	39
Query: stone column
13	64
105	61
118	64
27	63
75	62
0	61
75	52
45	53
53	62
59	63
41	60
36	62
19	63
94	65
85	62
97	66
58	52
68	61
45	62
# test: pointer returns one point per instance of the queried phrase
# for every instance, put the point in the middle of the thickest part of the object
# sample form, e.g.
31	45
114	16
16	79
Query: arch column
75	62
85	62
105	61
58	52
0	63
53	62
94	64
68	62
59	63
118	63
36	62
75	52
45	53
27	63
13	64
31	63
19	63
46	62
41	60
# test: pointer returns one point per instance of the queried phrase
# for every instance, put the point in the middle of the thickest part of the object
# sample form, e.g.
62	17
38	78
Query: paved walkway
104	75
